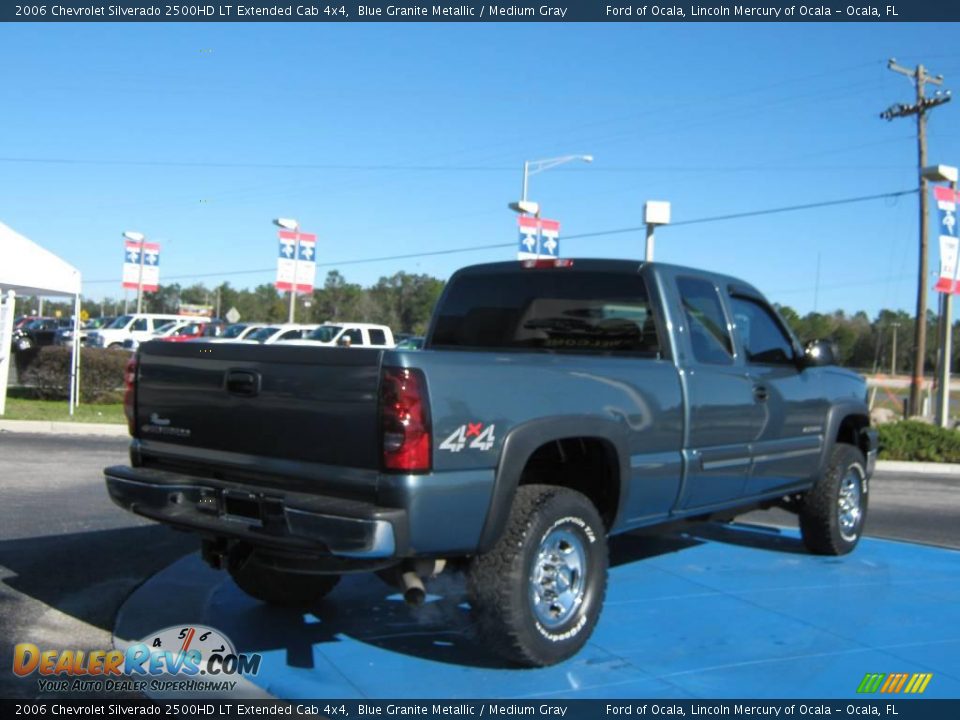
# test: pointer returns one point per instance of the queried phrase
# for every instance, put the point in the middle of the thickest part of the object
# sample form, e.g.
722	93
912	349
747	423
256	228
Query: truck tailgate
226	404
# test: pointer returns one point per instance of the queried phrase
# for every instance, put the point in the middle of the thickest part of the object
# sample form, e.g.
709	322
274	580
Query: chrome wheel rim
850	503
557	582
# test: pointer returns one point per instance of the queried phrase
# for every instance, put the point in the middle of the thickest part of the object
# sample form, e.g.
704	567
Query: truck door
786	450
723	415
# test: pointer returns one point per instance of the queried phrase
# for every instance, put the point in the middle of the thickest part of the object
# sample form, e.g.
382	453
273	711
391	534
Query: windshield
325	333
234	331
120	322
165	327
262	334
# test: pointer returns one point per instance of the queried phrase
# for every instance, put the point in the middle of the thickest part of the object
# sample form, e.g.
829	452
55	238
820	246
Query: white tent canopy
29	269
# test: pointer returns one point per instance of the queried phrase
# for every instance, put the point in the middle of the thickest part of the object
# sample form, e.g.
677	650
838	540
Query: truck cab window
709	336
764	340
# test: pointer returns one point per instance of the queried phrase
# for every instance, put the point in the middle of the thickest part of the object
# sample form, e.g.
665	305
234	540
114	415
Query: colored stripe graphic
871	682
893	683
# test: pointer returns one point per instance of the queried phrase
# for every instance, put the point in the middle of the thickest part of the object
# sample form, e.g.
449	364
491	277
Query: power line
578	236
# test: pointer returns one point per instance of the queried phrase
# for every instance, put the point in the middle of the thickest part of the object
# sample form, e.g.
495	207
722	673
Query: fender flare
519	446
835	417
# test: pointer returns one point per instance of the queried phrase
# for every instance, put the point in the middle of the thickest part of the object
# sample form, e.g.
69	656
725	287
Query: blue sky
716	118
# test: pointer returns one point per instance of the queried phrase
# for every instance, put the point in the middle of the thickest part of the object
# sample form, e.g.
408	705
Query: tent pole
74	354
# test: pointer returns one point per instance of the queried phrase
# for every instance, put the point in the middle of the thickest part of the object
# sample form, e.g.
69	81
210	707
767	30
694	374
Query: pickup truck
554	403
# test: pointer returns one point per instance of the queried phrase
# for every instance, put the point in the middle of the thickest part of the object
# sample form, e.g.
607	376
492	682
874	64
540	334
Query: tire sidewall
573	513
846	458
853	461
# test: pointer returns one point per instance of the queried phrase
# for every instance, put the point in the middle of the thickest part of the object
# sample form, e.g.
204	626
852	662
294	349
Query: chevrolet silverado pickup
554	403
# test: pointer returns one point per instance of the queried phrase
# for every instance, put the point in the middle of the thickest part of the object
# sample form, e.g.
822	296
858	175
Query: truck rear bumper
324	525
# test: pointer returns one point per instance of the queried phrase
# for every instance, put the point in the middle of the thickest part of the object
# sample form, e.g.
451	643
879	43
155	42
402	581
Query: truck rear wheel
833	511
278	587
538	592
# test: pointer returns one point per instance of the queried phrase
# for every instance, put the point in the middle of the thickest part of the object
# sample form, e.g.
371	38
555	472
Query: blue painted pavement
711	612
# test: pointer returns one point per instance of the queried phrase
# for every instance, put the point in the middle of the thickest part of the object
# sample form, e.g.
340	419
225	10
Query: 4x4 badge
482	438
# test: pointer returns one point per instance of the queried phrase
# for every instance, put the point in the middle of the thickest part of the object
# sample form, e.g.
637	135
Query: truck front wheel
273	586
538	592
832	513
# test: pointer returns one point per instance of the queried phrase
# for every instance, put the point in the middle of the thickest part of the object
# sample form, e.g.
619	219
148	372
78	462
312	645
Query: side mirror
818	353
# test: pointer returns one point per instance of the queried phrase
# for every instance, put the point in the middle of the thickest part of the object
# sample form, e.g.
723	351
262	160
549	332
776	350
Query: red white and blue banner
539	238
150	267
947	200
296	261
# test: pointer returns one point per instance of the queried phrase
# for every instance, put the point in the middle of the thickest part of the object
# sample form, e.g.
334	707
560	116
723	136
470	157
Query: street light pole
940	173
291	224
532	167
138	238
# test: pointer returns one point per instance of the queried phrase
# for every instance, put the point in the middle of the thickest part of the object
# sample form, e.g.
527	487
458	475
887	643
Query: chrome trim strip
786	454
731	462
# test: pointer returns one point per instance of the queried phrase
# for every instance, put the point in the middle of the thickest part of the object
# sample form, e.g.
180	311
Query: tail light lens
404	420
129	389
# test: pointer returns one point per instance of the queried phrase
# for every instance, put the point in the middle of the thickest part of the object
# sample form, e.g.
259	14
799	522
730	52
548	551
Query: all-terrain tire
278	587
833	511
537	594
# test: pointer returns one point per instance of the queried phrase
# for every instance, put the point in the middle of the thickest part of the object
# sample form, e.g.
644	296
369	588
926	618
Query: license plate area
242	507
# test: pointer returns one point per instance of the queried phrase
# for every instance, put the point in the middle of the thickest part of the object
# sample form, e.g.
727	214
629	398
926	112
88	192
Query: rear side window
377	337
555	310
709	335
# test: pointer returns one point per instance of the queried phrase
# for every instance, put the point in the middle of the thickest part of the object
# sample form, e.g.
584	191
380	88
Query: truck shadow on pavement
362	609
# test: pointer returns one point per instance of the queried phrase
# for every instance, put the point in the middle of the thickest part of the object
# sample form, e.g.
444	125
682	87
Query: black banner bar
876	707
618	11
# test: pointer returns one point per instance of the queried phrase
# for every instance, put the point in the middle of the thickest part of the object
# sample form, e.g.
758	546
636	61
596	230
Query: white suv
137	327
350	335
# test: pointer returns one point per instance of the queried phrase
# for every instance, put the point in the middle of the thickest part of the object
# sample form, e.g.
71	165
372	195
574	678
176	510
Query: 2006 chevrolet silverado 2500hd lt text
554	403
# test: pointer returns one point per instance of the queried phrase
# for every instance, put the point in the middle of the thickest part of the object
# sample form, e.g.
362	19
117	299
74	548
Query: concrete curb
923	468
63	428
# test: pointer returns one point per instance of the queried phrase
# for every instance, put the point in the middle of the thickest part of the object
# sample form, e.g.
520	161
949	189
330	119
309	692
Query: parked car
560	402
275	333
194	330
64	336
237	332
38	332
137	327
349	334
164	331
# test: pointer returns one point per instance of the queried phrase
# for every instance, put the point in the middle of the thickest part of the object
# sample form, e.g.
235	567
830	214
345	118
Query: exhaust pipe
413	591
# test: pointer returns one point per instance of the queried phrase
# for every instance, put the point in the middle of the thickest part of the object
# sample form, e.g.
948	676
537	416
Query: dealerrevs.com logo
183	658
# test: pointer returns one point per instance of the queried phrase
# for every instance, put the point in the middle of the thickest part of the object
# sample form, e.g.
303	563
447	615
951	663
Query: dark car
38	333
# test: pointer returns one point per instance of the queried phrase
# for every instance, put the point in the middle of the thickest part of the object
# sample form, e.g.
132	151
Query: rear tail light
129	390
404	420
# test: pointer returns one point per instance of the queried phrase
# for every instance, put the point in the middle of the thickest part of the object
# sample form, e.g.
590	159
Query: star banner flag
296	261
151	265
539	238
947	199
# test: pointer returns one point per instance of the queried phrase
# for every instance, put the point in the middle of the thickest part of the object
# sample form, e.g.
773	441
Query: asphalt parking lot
69	557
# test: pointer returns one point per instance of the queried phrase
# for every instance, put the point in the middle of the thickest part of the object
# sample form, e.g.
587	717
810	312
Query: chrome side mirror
818	353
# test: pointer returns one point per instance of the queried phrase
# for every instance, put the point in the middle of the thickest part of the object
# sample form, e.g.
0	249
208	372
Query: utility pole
893	353
922	104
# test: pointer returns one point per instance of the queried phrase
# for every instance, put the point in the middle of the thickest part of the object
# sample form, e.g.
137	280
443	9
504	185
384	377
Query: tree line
404	301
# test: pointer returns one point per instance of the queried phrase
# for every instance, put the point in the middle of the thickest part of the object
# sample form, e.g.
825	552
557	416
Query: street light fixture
944	173
138	238
532	167
291	224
